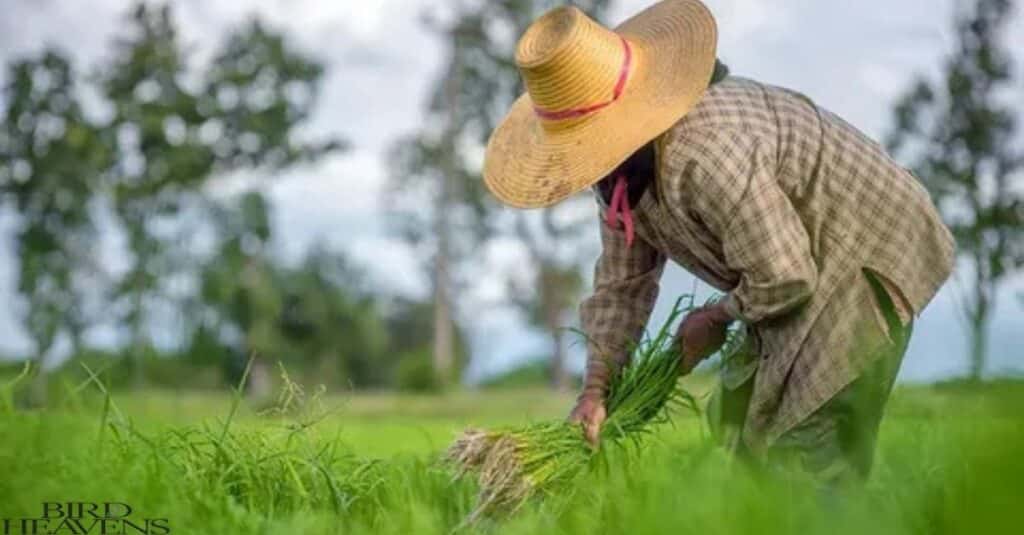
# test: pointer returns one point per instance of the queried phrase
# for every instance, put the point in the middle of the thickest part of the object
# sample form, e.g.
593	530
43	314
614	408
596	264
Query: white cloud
740	20
884	81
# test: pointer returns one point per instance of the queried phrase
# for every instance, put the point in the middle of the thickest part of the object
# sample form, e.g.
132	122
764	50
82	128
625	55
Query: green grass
949	461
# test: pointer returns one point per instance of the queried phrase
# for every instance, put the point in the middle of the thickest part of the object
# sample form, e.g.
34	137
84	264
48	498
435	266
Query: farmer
824	247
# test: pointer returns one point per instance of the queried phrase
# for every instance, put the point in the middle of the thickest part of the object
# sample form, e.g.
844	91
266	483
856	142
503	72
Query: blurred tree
175	128
436	193
332	322
239	291
51	159
410	324
960	135
318	315
548	290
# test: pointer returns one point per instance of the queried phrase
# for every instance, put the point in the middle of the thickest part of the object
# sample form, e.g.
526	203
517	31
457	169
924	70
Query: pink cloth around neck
619	209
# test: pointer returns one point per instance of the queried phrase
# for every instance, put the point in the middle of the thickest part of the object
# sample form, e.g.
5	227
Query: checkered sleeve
736	195
614	316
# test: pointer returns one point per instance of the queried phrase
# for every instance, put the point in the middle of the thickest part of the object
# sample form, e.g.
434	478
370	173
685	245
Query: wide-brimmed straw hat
595	96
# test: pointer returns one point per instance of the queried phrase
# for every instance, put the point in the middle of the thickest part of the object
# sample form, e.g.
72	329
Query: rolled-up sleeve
613	318
763	238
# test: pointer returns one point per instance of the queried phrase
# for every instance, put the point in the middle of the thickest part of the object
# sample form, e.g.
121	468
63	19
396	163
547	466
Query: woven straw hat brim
675	44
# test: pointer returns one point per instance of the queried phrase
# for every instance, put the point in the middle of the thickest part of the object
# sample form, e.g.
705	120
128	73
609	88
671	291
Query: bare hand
589	412
701	334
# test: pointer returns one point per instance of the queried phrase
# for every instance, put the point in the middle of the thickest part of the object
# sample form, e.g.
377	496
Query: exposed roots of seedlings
469	451
511	466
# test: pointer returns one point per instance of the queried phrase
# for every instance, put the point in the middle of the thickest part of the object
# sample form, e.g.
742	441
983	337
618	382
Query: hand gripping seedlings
514	464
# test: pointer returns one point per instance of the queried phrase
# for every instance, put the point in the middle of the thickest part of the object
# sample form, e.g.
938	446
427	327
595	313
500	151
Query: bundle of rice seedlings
515	464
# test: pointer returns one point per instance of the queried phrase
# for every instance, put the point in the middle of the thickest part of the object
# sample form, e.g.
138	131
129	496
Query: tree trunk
443	328
560	379
260	385
979	346
135	346
39	392
979	339
444	358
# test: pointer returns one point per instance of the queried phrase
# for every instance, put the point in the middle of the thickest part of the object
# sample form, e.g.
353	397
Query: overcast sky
852	57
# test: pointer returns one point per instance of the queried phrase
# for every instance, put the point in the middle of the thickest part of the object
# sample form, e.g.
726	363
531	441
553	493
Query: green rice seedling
281	468
514	464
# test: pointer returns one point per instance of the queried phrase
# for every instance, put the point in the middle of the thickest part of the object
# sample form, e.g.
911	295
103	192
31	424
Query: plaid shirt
781	204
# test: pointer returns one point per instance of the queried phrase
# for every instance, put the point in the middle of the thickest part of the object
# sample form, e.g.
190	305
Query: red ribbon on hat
620	86
620	207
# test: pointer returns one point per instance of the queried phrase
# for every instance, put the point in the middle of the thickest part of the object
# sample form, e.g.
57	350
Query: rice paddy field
951	460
